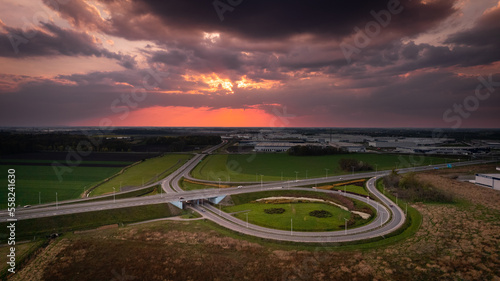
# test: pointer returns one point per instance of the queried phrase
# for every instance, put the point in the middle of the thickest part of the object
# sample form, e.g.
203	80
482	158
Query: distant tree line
312	150
187	140
181	143
11	143
354	164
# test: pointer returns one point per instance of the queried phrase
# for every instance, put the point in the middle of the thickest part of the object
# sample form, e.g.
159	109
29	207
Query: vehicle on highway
27	206
240	186
180	198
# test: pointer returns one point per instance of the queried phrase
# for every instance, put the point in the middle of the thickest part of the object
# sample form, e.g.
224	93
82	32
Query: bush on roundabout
320	214
274	211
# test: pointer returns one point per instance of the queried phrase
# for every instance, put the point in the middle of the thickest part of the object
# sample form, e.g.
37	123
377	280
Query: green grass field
27	229
352	188
144	172
249	167
298	212
32	181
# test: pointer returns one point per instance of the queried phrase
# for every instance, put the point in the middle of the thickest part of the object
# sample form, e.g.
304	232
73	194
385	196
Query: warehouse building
488	180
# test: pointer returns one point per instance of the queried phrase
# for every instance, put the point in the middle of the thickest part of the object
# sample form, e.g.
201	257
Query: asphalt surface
388	218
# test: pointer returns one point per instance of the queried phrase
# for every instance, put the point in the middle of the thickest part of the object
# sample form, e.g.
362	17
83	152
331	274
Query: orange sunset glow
171	116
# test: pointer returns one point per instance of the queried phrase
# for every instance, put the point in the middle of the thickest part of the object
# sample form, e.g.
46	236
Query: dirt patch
35	269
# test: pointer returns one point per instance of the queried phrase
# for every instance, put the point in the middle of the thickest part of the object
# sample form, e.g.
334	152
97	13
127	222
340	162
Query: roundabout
299	214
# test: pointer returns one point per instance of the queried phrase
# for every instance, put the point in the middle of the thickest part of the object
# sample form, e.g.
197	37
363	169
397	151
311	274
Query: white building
445	150
349	147
488	180
391	144
273	146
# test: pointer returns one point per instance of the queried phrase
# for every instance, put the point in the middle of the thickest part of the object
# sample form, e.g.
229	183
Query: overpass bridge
181	203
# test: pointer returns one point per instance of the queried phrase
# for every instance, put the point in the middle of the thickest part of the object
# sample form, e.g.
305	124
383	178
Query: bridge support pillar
216	200
178	204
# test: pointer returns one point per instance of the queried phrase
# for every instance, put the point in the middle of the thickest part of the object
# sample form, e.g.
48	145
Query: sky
242	63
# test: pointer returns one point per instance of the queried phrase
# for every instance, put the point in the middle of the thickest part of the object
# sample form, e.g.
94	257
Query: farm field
35	181
298	212
249	167
145	172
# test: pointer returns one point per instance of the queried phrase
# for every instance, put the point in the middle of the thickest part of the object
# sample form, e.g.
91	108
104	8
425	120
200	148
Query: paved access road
389	216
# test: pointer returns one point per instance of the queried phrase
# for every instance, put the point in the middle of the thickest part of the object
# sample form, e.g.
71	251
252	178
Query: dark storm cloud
285	18
48	103
266	28
53	40
255	20
174	57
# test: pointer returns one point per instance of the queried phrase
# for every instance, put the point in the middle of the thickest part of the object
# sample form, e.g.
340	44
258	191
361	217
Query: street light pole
291	226
345	230
114	191
261	183
57	207
247	218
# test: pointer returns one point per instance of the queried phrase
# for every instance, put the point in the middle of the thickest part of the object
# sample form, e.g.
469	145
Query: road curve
387	220
381	225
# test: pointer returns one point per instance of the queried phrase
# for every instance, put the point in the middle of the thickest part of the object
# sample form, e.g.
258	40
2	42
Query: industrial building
273	146
446	150
391	144
488	180
349	147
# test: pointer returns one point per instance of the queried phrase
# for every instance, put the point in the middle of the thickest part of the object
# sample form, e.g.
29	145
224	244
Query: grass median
147	171
281	166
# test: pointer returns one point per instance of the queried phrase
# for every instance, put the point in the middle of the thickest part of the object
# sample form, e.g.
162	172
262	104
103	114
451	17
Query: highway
388	218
